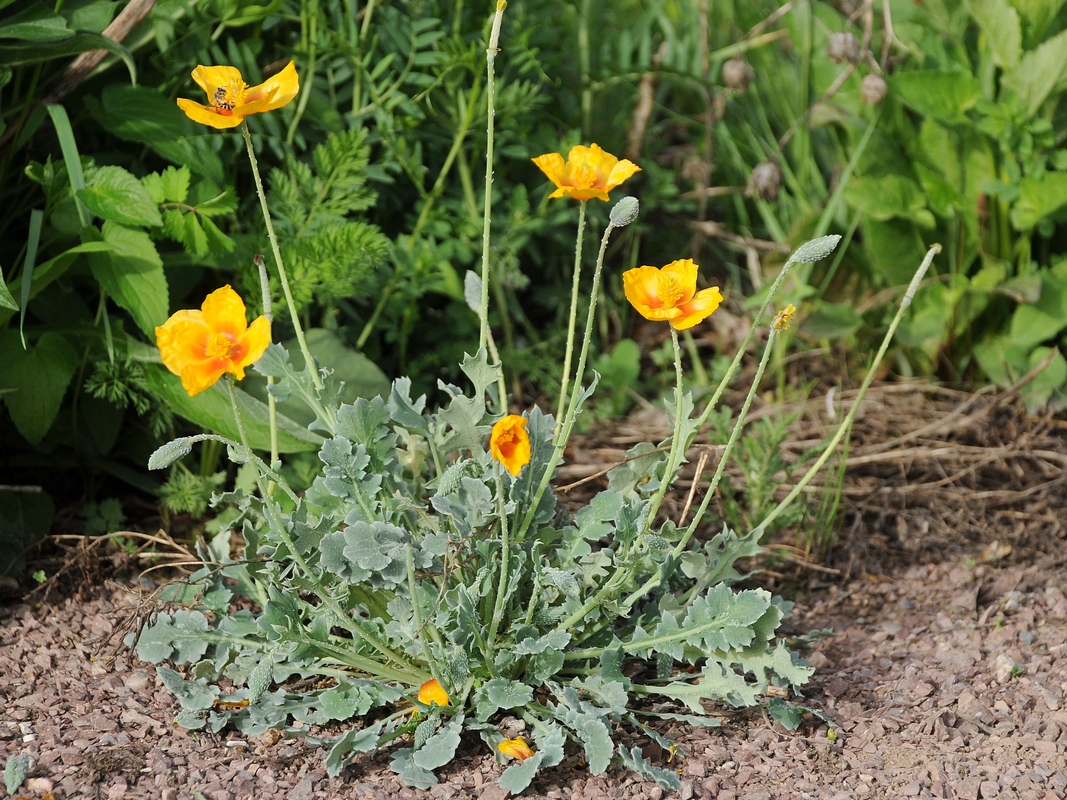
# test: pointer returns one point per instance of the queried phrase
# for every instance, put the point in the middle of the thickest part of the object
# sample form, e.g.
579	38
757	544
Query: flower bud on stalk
844	46
873	89
624	212
737	74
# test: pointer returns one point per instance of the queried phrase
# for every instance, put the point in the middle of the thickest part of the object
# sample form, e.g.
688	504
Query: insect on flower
231	99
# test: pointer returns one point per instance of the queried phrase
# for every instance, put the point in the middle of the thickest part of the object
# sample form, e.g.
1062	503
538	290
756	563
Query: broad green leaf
886	196
1038	72
1003	31
132	273
439	748
1038	198
942	197
832	321
38	23
1052	379
47	272
169	186
211	410
1033	324
518	776
1038	14
941	94
12	55
33	382
25	519
143	115
114	194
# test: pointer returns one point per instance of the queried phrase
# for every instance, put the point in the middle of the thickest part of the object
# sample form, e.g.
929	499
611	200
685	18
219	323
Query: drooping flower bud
844	46
873	89
737	74
624	212
765	180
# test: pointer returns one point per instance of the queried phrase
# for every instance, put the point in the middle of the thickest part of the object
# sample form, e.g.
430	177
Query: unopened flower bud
624	212
737	74
844	46
765	180
873	89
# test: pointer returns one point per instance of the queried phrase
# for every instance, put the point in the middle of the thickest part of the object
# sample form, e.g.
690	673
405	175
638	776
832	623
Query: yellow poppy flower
432	693
230	99
670	294
588	172
200	346
510	443
516	748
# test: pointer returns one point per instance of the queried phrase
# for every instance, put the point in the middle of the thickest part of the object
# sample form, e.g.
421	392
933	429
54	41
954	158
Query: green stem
490	94
283	278
309	71
571	318
846	424
416	607
674	456
272	404
572	406
276	523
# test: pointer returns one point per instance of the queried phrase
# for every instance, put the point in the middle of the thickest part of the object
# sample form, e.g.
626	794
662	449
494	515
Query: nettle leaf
169	186
664	778
1002	27
34	381
194	695
441	747
1038	72
114	194
132	272
942	94
1039	197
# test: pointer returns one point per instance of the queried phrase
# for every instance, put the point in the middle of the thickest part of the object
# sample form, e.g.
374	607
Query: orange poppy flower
588	172
670	294
516	748
432	693
230	99
200	346
510	443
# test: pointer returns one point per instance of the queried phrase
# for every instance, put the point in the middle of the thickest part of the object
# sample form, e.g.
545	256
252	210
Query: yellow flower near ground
516	748
200	346
510	443
670	294
432	693
588	172
230	99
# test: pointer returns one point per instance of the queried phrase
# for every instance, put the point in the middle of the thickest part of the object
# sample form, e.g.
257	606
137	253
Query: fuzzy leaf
664	778
441	747
351	744
15	772
179	638
194	695
171	452
411	774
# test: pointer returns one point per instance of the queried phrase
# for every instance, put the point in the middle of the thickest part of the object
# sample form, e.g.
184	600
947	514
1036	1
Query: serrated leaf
1002	28
193	237
179	638
193	695
665	778
132	273
1039	197
1038	72
942	94
114	194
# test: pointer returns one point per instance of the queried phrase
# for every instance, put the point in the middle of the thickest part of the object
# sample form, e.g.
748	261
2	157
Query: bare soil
945	674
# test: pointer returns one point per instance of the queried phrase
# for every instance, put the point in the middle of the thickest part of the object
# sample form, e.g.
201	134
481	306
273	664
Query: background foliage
757	127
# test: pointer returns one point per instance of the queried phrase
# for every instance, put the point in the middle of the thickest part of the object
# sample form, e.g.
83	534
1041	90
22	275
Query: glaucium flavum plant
426	585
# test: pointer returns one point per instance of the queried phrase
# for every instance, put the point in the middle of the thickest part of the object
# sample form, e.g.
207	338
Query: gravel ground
943	680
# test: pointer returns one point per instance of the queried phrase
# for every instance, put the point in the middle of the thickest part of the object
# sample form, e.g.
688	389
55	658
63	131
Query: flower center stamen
220	345
670	291
585	177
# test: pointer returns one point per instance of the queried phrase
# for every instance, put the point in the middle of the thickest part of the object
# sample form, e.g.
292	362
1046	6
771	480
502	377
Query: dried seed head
737	74
765	180
873	89
844	46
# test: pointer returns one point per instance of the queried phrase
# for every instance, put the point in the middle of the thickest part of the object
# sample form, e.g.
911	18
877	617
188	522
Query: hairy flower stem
416	606
676	444
282	277
576	392
272	404
571	318
846	424
490	95
278	526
